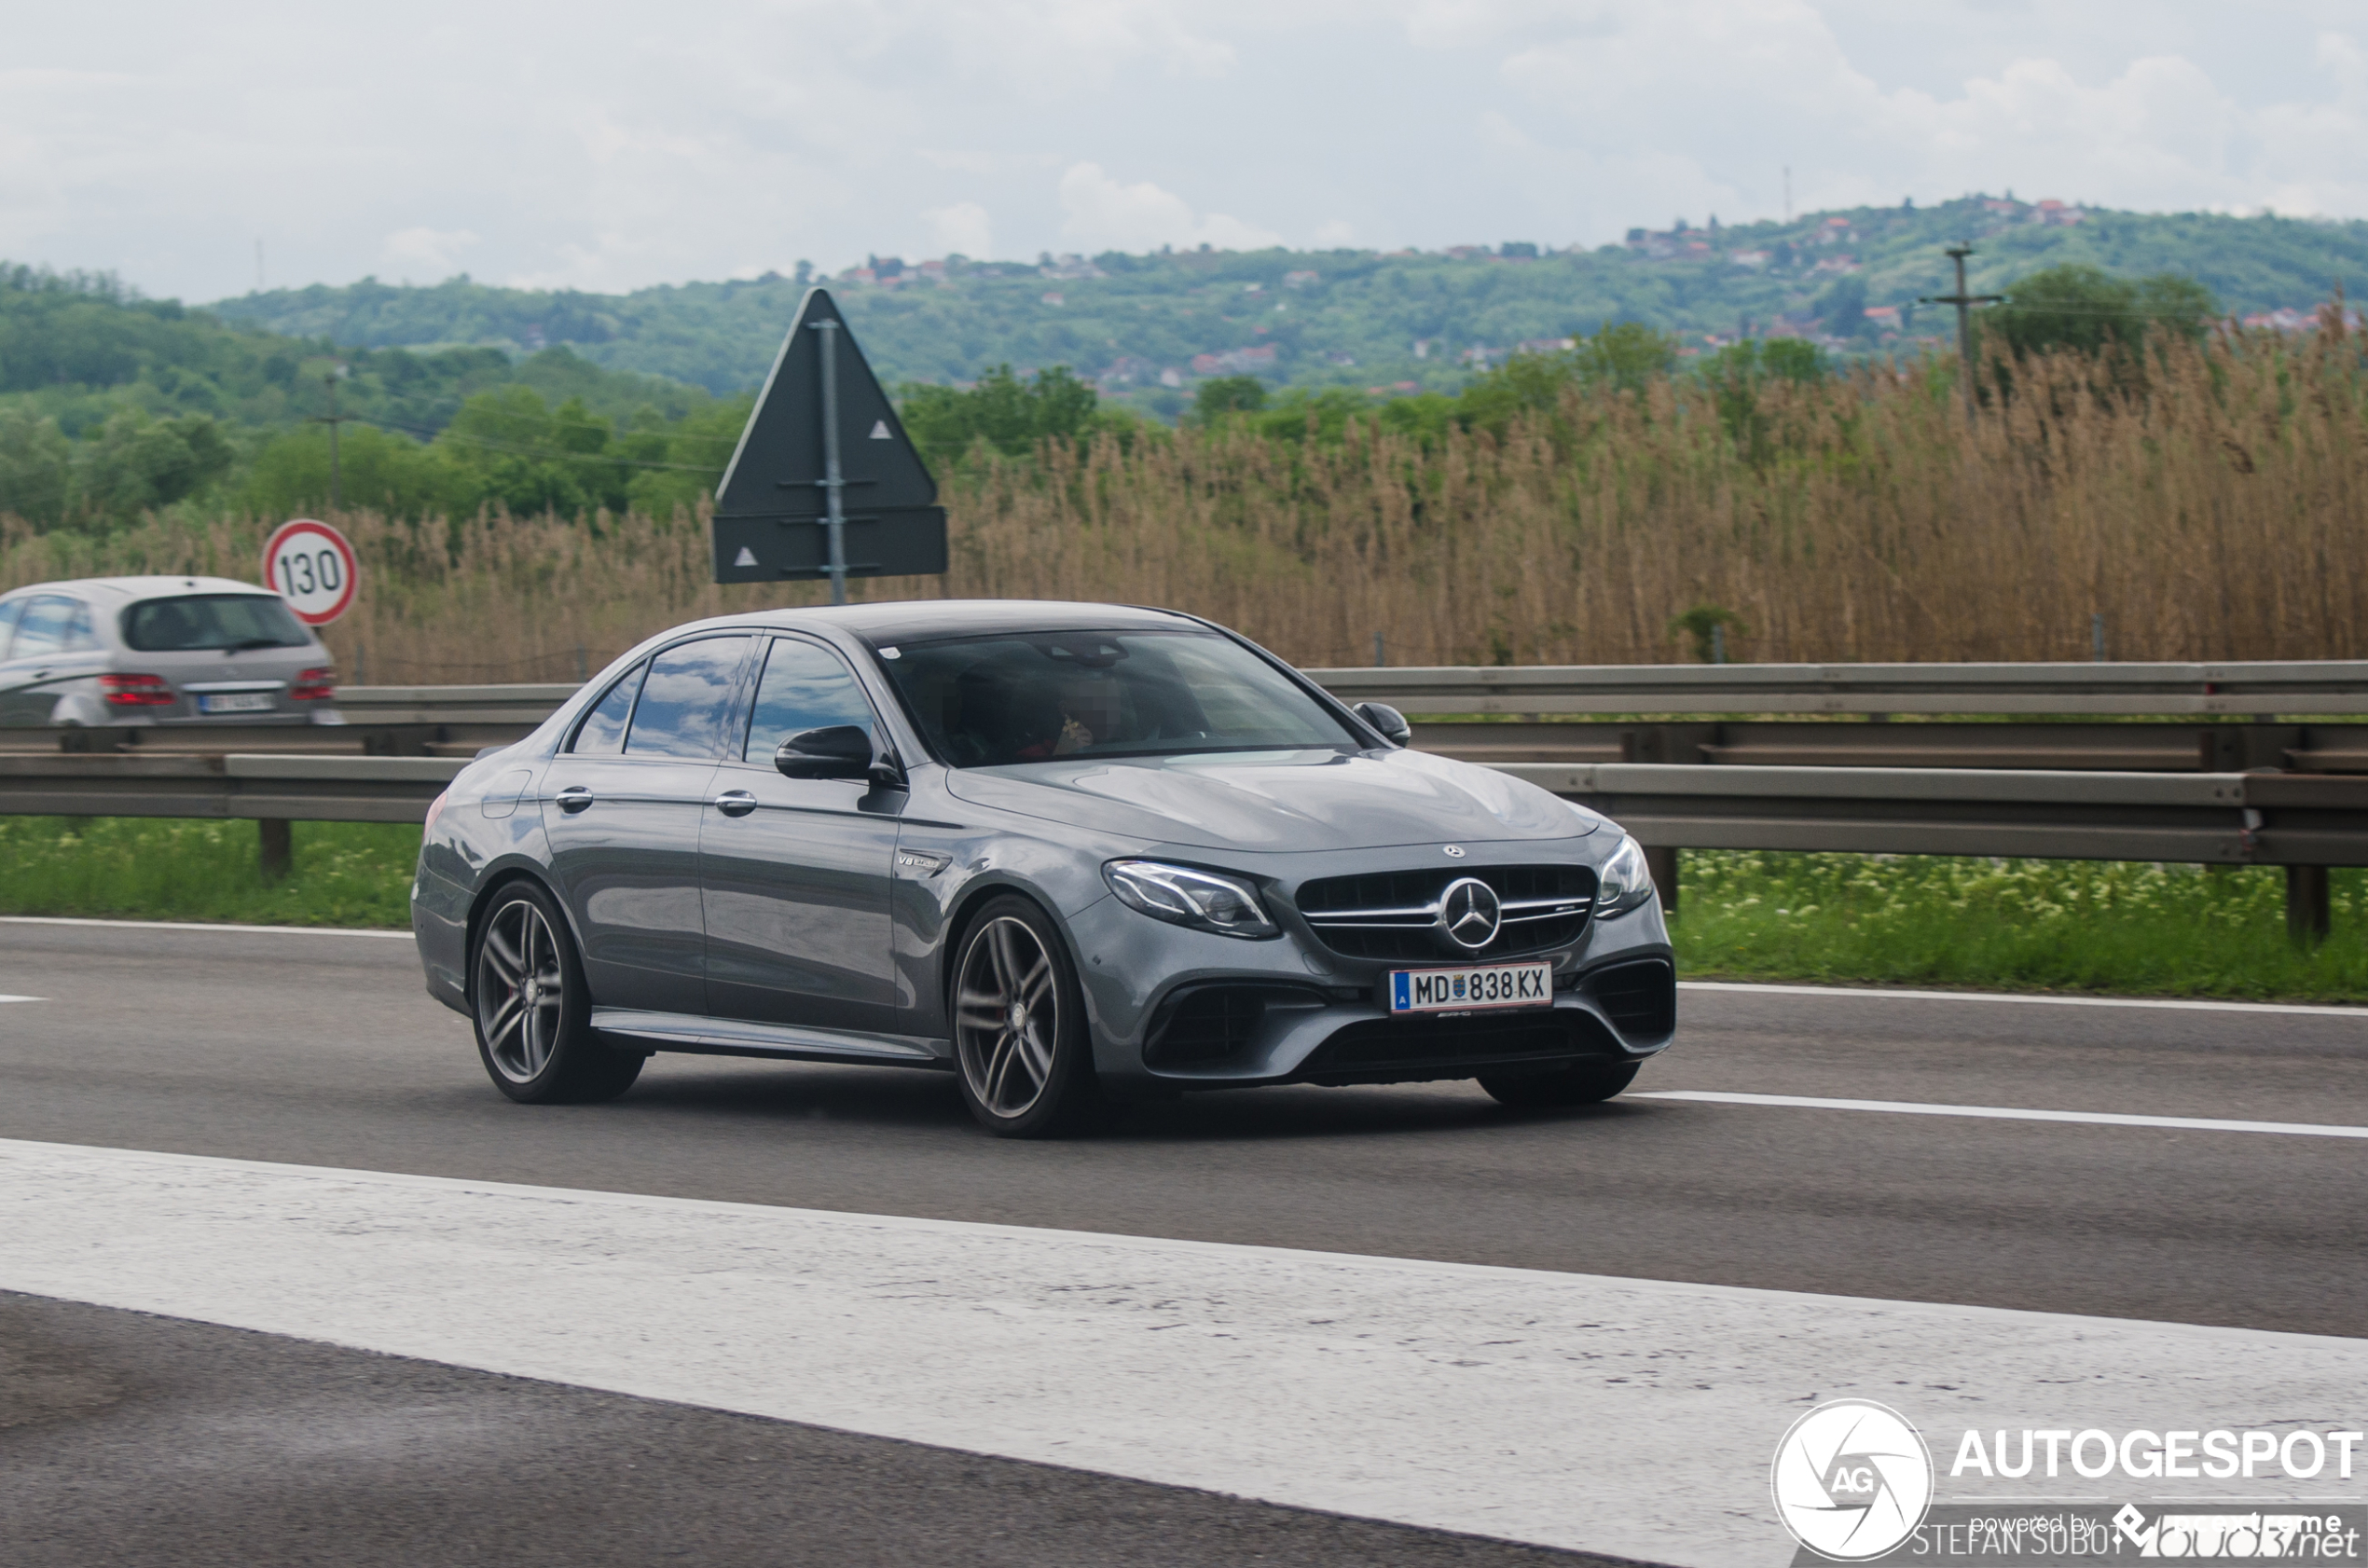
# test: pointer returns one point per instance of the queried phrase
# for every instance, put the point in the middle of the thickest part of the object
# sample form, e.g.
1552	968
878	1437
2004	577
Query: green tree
510	448
1842	309
1740	375
36	468
1006	412
375	469
1628	356
1228	394
2087	309
137	463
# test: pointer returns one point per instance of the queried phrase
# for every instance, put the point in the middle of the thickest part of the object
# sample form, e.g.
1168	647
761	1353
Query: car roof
922	620
141	587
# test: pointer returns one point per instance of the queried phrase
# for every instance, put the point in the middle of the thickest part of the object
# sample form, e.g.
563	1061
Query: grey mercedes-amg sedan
1071	853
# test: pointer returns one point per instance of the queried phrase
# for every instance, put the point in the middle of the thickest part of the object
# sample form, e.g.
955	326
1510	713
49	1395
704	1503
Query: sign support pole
833	482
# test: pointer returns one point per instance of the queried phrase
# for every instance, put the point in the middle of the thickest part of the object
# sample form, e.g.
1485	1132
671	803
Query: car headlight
1181	895
1625	882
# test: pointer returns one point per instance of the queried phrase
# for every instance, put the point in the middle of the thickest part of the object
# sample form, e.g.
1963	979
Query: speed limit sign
310	566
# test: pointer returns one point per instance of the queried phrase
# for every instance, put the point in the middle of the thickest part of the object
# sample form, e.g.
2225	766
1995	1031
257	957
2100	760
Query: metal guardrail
2303	822
2162	690
458	720
273	787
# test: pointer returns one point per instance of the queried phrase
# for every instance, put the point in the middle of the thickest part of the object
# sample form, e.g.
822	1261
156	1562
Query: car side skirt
730	1037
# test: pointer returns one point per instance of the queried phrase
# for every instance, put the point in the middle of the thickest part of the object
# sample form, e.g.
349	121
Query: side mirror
833	751
1388	720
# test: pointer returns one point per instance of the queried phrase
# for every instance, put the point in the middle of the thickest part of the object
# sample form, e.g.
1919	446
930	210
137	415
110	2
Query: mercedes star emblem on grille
1468	913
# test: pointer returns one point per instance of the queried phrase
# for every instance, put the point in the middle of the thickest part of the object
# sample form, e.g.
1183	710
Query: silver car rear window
190	622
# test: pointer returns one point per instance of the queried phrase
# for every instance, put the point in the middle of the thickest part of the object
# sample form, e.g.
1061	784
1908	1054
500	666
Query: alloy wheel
1007	1017
522	991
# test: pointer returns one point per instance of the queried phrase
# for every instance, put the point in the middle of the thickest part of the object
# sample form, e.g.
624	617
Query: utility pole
333	419
1965	303
833	481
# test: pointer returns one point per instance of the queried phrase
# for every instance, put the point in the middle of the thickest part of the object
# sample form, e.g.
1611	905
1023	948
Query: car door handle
575	798
736	803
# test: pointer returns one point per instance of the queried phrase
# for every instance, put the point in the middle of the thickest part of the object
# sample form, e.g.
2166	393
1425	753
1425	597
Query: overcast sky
607	147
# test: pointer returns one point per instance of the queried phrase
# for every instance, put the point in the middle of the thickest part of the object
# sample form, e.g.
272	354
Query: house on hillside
2060	215
1754	260
1299	279
1235	361
1071	266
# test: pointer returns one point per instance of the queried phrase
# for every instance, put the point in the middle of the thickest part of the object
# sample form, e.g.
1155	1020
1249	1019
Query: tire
1020	1076
1578	1083
531	1010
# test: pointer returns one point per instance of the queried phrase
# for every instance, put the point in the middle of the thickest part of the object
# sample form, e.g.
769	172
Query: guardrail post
278	843
2308	915
1662	863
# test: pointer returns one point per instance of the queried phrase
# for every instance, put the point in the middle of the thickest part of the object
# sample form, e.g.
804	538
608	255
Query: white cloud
961	228
1102	215
431	253
632	148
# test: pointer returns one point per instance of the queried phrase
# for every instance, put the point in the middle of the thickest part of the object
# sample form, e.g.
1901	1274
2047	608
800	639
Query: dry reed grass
2220	513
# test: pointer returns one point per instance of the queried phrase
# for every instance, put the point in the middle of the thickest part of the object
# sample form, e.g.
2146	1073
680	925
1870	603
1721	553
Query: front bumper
1173	1008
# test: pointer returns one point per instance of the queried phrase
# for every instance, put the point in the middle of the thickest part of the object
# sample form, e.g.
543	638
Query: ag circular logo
1851	1480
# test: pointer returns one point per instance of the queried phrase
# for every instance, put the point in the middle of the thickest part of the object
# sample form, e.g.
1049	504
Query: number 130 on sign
310	565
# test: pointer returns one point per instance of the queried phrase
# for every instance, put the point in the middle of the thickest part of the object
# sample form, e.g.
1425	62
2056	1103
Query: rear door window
44	628
9	614
687	700
804	687
192	621
602	732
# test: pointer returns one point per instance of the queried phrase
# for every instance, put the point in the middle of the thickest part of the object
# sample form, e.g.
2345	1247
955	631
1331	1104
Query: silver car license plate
1464	990
235	702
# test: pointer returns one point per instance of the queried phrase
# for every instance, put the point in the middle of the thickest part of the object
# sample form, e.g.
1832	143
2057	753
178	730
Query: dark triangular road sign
773	509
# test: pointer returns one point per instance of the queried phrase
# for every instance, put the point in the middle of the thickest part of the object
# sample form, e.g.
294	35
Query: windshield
197	621
991	701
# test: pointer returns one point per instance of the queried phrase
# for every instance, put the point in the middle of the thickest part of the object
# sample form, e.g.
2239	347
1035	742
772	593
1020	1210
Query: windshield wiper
248	644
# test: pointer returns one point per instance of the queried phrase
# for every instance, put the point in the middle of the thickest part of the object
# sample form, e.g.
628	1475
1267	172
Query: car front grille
1405	1050
1394	914
1640	998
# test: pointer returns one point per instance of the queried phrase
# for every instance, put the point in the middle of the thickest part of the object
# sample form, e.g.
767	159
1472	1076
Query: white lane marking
1630	1417
194	925
1772	989
2007	1113
23	998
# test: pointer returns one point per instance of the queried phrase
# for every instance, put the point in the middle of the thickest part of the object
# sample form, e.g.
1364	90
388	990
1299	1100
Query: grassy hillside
1350	318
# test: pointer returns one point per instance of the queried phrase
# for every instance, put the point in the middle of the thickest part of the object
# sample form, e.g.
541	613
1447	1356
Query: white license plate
1463	990
235	702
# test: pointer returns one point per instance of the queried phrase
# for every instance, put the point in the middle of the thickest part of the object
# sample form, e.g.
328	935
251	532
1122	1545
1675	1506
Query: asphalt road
148	1442
139	1439
322	1049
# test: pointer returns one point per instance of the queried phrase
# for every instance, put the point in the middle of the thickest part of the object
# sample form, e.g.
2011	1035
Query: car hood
1277	800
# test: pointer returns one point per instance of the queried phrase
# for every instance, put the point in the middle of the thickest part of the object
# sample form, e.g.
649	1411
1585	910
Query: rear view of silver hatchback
158	651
